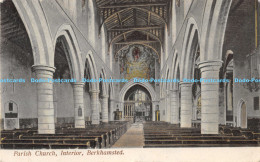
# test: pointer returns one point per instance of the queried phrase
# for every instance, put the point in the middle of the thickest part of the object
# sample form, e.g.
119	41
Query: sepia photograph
130	80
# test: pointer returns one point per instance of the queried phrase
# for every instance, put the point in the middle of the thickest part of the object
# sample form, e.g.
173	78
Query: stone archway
145	85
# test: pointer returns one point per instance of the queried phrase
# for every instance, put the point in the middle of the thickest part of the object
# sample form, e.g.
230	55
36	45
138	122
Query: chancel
129	73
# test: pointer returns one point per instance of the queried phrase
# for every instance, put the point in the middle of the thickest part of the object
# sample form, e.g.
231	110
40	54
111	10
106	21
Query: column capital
174	90
43	68
78	84
94	91
185	84
105	96
211	65
113	99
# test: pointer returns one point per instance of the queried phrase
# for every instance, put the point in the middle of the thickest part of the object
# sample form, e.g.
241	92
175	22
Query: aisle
133	138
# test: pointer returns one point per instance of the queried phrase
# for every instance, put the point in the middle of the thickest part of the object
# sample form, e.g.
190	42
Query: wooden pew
43	146
100	136
197	138
166	135
89	142
198	141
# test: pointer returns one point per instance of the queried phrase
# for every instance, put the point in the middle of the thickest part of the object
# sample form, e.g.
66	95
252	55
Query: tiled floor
133	138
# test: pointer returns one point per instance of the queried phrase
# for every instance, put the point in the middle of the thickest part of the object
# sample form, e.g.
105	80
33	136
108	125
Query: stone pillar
104	109
209	96
174	107
162	109
153	110
112	109
121	108
46	118
95	107
168	106
186	104
222	106
78	105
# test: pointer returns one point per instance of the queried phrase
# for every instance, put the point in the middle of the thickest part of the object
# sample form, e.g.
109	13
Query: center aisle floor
133	138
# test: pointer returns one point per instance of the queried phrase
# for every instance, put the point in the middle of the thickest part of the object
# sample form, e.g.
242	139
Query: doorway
242	114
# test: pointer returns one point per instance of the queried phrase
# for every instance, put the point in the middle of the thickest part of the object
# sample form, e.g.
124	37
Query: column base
46	131
186	126
79	123
46	128
209	128
95	122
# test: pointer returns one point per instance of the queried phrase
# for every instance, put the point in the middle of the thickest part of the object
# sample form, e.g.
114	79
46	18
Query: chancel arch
131	83
148	94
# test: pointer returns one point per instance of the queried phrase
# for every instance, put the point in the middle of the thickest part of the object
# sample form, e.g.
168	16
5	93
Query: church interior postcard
130	80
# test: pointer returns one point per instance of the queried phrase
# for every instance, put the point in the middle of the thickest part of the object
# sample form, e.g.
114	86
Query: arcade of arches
88	49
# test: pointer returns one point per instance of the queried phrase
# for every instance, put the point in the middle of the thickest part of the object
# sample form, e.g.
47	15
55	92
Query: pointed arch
167	77
175	64
38	31
70	42
104	84
131	83
214	26
93	70
191	41
111	85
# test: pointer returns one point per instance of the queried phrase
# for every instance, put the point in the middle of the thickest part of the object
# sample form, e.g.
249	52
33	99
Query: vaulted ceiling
134	22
